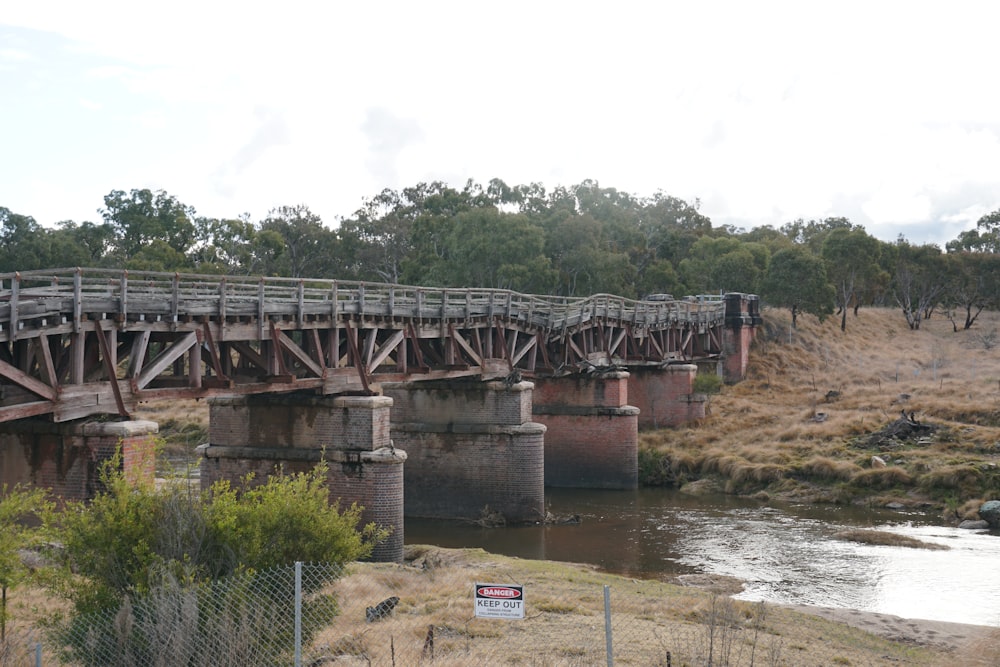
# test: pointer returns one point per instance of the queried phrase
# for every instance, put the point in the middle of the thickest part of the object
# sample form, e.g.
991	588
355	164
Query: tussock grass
814	397
883	538
881	478
824	468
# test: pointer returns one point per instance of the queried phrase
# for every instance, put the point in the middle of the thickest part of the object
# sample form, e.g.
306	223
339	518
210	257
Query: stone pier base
472	448
66	458
664	395
592	437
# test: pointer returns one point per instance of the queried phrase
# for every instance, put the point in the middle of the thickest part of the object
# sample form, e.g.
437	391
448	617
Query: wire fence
430	611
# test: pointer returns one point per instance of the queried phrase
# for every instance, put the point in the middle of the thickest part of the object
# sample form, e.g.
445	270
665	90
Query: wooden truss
80	342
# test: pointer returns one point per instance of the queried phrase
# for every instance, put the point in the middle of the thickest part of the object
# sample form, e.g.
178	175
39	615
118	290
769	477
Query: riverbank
564	620
963	644
878	415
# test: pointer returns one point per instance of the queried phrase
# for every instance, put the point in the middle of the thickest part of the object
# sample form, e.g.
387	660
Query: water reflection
784	553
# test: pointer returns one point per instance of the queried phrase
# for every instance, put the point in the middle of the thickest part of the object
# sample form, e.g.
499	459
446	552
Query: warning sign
500	600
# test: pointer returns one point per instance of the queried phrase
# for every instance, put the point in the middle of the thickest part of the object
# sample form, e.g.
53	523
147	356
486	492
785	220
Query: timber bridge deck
79	342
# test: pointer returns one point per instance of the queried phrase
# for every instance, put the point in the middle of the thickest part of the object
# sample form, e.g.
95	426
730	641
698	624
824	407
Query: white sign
500	600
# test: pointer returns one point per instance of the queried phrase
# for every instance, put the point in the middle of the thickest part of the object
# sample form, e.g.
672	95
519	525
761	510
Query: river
784	553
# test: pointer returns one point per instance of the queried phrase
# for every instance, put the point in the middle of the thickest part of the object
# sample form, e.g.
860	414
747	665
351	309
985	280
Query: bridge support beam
664	395
742	319
66	457
592	439
471	445
258	434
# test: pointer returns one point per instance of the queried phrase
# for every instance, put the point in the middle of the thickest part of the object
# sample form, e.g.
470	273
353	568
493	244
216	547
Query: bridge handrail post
260	309
123	301
444	313
77	300
175	298
222	302
300	295
15	288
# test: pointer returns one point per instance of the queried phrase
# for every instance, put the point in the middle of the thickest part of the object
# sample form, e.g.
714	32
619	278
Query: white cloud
765	111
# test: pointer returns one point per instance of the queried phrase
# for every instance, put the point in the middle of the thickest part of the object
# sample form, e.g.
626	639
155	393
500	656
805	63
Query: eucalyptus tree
919	281
140	217
235	246
984	238
310	250
24	244
488	248
851	258
973	284
724	264
796	279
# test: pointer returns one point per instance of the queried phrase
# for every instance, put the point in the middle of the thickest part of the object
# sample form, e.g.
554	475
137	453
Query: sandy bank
974	644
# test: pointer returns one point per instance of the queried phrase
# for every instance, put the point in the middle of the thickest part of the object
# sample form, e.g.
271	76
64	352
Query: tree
796	279
310	249
142	217
488	248
21	242
984	238
377	240
919	281
723	264
580	256
973	283
234	247
812	234
851	257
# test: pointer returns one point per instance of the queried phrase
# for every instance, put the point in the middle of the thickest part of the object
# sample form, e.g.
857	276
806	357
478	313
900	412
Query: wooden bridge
78	342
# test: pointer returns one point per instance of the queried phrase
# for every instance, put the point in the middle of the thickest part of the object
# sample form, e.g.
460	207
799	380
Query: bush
707	383
132	537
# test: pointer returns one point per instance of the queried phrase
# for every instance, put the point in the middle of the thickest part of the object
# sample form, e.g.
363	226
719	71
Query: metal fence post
607	624
298	613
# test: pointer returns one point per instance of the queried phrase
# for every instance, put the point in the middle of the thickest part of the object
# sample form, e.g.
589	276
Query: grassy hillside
818	404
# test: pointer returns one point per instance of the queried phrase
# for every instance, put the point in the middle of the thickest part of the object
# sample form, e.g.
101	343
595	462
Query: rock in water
990	513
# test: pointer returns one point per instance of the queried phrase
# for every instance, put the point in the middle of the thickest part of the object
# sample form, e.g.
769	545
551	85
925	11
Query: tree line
569	241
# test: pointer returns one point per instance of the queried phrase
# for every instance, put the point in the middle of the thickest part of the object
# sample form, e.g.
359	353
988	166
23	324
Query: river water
783	553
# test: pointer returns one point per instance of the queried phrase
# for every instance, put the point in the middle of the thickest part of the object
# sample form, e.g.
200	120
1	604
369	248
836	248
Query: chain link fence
425	612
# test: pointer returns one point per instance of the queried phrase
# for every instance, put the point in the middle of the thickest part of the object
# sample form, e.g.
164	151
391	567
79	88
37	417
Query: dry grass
183	425
799	425
883	538
564	620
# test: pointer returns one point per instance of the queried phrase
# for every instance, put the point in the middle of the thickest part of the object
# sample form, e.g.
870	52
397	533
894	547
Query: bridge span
296	369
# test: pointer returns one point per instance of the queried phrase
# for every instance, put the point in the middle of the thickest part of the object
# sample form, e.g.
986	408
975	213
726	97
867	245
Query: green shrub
133	536
707	383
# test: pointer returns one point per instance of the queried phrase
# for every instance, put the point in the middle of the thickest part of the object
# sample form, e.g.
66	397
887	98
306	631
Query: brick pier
592	439
66	458
261	433
471	446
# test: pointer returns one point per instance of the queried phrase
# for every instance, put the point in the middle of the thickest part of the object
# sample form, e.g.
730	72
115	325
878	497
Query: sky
885	112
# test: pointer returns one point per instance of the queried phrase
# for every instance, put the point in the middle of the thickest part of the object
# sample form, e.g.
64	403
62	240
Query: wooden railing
63	297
